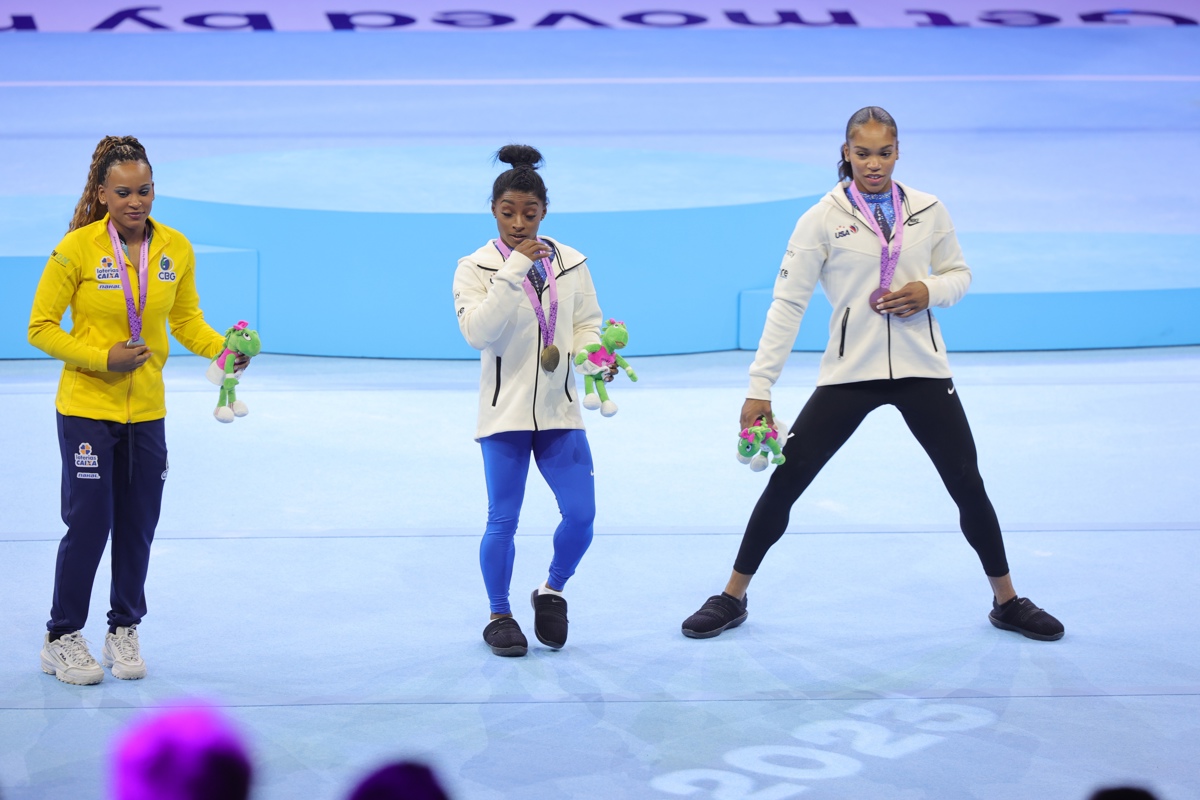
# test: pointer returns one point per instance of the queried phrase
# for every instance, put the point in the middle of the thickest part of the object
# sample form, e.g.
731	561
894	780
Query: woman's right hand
753	409
533	249
126	357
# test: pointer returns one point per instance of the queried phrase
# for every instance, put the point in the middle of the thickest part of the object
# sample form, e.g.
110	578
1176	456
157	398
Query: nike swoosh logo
950	390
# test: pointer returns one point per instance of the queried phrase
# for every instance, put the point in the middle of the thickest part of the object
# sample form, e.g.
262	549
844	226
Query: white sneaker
123	654
68	659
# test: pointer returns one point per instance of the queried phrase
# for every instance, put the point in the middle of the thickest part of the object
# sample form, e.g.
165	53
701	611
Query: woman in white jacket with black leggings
868	235
527	303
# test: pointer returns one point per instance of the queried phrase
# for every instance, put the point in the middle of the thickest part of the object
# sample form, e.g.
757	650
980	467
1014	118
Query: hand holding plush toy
755	442
222	371
595	361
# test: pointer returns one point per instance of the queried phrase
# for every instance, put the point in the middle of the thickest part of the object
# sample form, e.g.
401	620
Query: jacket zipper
842	346
496	396
537	367
889	329
537	360
929	314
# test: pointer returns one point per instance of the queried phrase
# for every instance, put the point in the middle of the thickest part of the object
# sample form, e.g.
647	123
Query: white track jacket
834	245
496	317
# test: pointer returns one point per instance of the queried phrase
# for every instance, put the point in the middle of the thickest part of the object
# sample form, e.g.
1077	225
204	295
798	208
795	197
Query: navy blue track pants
112	481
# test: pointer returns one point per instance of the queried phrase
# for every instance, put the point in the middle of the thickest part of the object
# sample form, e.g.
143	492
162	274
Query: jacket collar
158	242
565	257
914	200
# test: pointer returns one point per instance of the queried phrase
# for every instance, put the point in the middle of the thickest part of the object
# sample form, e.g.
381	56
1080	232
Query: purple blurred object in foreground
181	754
402	781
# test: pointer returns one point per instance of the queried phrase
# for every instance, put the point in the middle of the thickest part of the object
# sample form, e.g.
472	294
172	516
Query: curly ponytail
110	151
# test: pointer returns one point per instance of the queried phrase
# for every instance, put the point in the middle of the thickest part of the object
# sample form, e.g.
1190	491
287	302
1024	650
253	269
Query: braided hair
523	176
111	150
857	120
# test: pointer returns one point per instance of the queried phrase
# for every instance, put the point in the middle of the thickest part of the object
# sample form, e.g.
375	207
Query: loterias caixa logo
31	16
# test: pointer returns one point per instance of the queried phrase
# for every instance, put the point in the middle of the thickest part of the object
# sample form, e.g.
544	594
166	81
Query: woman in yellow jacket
125	277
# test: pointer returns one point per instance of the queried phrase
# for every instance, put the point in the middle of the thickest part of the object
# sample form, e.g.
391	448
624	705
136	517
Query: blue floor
335	608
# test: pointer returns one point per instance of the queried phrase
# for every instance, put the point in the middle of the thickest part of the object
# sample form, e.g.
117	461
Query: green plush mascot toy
755	442
239	340
597	360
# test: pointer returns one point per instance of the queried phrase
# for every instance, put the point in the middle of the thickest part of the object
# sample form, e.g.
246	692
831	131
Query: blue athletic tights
565	461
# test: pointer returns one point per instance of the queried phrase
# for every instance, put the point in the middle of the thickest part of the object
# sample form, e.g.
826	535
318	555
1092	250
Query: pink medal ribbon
550	355
888	256
135	313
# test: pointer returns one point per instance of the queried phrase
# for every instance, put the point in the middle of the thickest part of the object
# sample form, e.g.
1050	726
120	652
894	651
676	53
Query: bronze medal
550	358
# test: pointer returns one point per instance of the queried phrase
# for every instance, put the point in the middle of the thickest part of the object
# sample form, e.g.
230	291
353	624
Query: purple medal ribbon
888	256
546	326
135	313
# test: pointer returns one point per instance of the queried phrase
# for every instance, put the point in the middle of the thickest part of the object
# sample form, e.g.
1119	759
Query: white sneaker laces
127	645
75	650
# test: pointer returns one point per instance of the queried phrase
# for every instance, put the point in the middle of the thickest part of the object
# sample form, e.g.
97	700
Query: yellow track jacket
82	275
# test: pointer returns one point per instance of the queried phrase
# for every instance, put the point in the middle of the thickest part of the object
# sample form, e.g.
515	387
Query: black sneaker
549	619
1022	616
505	638
719	612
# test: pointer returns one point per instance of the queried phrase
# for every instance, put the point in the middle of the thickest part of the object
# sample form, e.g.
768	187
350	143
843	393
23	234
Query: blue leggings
565	461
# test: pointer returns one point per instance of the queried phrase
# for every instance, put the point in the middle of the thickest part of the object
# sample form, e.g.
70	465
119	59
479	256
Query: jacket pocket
932	338
496	394
567	382
842	345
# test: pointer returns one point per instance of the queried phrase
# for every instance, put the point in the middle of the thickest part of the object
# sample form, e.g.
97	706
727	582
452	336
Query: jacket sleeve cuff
760	388
515	268
98	360
932	287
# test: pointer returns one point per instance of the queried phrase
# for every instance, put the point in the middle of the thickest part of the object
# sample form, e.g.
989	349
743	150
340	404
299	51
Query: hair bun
520	155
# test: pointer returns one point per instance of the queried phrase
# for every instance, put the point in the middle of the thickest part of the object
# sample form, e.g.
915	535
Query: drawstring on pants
129	427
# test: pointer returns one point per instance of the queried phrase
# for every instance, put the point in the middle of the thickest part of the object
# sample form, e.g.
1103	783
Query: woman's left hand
241	362
912	298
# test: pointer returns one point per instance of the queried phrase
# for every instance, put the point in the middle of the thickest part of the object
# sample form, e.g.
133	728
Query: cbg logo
165	271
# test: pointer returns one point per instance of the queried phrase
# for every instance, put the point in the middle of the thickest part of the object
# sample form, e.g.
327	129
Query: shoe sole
733	623
123	673
536	632
1041	637
52	669
515	650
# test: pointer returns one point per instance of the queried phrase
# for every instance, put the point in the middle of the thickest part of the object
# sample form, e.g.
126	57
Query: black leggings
933	413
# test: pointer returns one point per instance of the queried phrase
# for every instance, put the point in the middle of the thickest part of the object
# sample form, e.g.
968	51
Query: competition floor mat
331	603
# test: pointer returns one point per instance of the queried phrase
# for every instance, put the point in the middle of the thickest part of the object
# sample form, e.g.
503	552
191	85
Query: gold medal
550	358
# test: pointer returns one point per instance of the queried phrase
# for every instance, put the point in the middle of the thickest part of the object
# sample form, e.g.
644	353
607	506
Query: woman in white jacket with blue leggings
527	303
867	236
